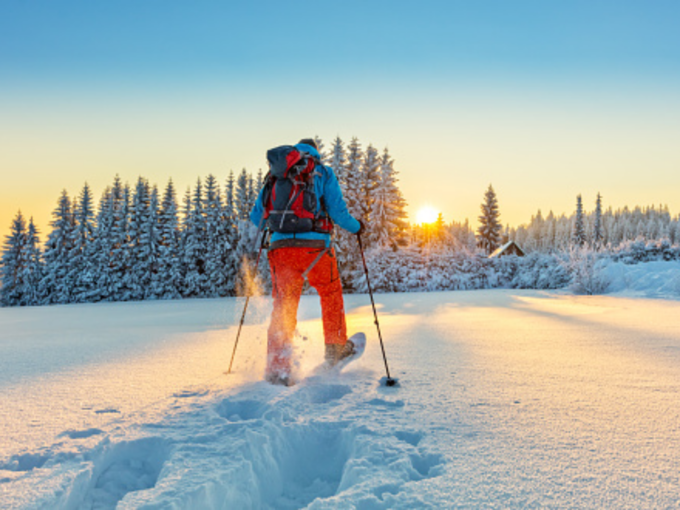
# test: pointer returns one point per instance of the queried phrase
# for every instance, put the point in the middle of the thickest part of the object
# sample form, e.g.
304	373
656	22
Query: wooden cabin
509	248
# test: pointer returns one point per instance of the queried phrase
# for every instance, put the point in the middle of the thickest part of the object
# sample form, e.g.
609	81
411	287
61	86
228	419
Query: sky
542	100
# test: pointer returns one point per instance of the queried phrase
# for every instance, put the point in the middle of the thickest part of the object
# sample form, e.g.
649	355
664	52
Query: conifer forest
140	242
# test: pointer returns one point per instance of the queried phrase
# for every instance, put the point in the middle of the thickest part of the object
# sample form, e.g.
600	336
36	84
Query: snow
656	279
507	399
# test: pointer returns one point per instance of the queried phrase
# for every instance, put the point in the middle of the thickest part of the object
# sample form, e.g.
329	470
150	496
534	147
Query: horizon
544	102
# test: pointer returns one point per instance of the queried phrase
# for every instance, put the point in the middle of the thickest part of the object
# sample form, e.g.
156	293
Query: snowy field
508	399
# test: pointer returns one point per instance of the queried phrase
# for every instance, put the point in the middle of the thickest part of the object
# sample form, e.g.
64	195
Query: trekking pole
389	381
245	307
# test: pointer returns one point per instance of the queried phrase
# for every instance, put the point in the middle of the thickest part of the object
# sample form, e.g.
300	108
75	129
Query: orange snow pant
287	266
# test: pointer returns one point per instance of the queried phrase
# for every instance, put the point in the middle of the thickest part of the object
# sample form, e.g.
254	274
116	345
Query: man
294	256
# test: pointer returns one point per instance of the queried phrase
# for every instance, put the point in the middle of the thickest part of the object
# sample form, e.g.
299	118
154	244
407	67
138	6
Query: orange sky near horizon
538	150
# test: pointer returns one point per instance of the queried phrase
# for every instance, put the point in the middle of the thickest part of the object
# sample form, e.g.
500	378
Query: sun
426	214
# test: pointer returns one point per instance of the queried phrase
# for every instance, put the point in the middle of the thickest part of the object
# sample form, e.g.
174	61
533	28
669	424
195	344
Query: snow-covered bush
585	266
635	252
540	271
413	269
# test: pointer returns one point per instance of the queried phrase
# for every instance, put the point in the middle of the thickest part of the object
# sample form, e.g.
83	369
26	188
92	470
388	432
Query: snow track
507	400
259	447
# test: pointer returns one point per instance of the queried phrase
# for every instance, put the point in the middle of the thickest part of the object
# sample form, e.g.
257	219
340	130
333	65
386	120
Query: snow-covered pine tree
346	244
119	239
388	210
242	199
548	235
354	181
579	231
57	284
136	277
229	195
370	176
83	263
597	226
230	235
169	264
13	263
246	232
321	149
252	193
99	250
152	248
489	231
33	267
214	238
338	162
195	245
438	230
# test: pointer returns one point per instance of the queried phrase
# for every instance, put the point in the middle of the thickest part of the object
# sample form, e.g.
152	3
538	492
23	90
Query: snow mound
657	279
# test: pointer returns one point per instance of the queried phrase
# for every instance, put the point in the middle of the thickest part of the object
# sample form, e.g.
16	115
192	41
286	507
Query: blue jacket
325	185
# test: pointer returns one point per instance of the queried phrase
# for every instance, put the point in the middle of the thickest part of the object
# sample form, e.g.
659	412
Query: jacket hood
308	149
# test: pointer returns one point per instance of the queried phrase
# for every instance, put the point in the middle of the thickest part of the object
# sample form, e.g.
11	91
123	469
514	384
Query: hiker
301	220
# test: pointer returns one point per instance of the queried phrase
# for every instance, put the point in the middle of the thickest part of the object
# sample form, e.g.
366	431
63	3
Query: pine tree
320	148
99	251
354	181
169	264
346	244
229	231
13	263
579	231
57	285
242	199
597	229
388	210
33	268
370	176
229	196
152	249
214	237
119	241
338	162
137	276
489	231
83	235
194	249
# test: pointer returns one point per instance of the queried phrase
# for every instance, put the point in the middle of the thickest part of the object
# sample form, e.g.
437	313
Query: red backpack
289	198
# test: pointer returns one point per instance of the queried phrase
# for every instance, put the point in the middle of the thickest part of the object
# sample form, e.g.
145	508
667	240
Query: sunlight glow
427	214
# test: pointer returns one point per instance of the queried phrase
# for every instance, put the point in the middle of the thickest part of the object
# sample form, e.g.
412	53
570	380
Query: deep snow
508	399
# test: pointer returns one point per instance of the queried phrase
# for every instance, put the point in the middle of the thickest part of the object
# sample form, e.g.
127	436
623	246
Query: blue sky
543	99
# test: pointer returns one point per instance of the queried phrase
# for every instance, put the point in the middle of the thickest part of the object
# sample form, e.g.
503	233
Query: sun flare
427	214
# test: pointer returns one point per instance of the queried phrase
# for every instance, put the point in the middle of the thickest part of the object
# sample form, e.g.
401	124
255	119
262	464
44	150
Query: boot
337	352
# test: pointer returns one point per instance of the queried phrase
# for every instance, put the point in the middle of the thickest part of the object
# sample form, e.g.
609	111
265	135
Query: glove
361	228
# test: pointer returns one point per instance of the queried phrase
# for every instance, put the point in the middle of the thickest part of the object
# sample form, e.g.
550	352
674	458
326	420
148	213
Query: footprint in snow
412	438
80	434
241	409
324	393
108	410
24	462
189	393
386	403
124	468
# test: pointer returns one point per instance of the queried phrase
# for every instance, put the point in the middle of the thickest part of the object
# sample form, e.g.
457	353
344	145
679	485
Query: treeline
140	243
440	268
605	229
599	229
